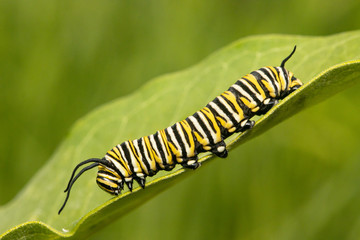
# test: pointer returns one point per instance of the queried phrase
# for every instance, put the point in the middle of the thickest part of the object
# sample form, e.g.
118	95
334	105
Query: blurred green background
61	59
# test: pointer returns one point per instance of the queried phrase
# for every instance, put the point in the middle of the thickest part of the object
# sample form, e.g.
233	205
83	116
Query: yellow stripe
253	80
269	87
204	143
133	149
107	170
151	153
168	156
248	103
154	156
187	128
141	160
176	152
222	122
278	79
107	176
116	150
121	160
137	158
105	189
209	114
112	154
111	184
231	97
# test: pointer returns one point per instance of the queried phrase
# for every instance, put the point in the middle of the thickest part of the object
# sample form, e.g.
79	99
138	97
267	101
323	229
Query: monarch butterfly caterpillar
254	94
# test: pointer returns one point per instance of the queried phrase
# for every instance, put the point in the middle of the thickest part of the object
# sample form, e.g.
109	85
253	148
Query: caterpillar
205	130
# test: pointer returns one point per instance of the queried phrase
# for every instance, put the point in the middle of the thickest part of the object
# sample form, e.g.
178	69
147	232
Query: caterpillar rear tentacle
204	131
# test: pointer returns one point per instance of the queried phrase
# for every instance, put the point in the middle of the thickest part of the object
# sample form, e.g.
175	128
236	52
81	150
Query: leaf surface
326	65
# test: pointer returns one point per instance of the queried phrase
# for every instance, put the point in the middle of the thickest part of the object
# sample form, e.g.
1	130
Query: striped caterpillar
254	94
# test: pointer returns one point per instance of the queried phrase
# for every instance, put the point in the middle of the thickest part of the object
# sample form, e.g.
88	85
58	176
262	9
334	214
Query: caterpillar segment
204	131
183	144
207	132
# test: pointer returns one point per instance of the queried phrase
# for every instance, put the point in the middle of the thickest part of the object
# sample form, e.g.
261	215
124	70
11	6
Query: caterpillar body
205	130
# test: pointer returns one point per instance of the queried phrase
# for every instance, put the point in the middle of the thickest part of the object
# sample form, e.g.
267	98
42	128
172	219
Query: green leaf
326	64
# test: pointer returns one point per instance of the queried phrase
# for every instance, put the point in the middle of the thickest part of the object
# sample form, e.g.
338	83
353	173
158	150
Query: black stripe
251	84
246	89
231	105
209	120
169	140
216	114
105	185
251	93
135	153
246	110
276	77
167	135
258	78
157	167
107	173
127	156
271	77
169	153
147	148
285	72
193	128
225	110
142	153
285	76
278	74
118	157
159	147
269	73
178	139
204	128
186	135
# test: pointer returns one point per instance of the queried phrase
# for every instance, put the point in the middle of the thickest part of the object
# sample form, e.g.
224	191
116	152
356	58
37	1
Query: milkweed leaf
326	65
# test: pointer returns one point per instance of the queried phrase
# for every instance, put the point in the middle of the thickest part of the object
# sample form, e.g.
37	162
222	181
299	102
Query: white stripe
283	76
182	135
198	128
151	162
173	139
163	147
235	115
266	78
253	90
124	158
205	121
133	159
244	93
154	146
219	111
121	169
277	84
104	175
136	145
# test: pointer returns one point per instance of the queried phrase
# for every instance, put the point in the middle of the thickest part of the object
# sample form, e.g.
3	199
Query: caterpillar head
109	180
293	83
